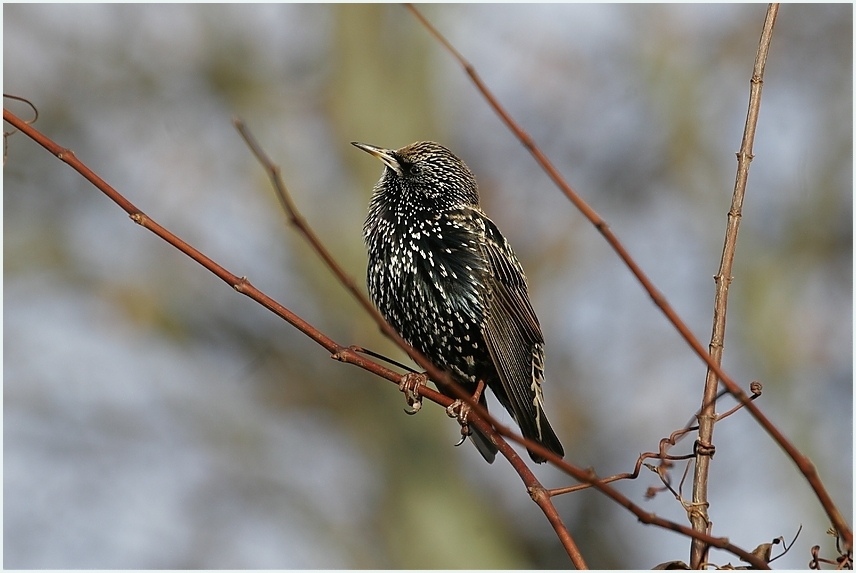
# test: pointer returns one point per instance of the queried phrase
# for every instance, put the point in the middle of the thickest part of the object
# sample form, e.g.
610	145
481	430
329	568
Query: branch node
64	154
537	493
339	354
242	284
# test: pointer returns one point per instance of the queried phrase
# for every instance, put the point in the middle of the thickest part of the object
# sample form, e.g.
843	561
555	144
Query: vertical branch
707	417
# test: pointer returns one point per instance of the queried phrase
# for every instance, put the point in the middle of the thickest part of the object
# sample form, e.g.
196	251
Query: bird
444	277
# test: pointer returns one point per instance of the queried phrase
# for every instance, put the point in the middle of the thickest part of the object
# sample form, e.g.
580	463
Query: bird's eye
414	169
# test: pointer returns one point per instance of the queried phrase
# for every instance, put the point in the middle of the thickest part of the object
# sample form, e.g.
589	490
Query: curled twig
785	546
6	134
843	561
30	104
755	387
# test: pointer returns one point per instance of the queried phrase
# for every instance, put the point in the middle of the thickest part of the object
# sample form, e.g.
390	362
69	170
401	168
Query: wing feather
515	342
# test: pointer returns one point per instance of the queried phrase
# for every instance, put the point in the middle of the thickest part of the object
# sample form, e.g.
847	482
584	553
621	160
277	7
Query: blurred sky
153	418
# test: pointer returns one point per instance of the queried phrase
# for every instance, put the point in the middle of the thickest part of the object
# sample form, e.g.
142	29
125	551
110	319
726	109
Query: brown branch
345	354
805	466
296	219
540	495
338	352
533	485
240	284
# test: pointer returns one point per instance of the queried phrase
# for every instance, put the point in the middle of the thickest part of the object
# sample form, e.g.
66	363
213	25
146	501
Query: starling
447	281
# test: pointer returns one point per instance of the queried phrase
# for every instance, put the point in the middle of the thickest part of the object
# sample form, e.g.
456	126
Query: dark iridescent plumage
446	279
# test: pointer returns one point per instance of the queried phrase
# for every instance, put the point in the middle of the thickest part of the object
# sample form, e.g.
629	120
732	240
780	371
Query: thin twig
805	466
664	446
296	219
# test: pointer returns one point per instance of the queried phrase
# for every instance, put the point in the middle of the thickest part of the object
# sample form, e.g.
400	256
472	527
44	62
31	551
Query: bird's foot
460	410
409	384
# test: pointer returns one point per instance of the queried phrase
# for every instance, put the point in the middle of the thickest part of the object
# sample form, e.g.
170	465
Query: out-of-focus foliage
155	418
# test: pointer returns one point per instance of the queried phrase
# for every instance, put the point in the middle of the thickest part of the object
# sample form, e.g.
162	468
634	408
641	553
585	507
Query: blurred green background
153	418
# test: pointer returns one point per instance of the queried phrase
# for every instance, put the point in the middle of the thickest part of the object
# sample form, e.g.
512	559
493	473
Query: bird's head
423	176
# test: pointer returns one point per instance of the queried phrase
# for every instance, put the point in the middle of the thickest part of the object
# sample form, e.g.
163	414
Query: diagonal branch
805	466
338	352
296	219
537	491
539	494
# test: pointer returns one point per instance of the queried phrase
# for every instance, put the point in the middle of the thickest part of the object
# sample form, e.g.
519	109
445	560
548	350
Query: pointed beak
385	155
